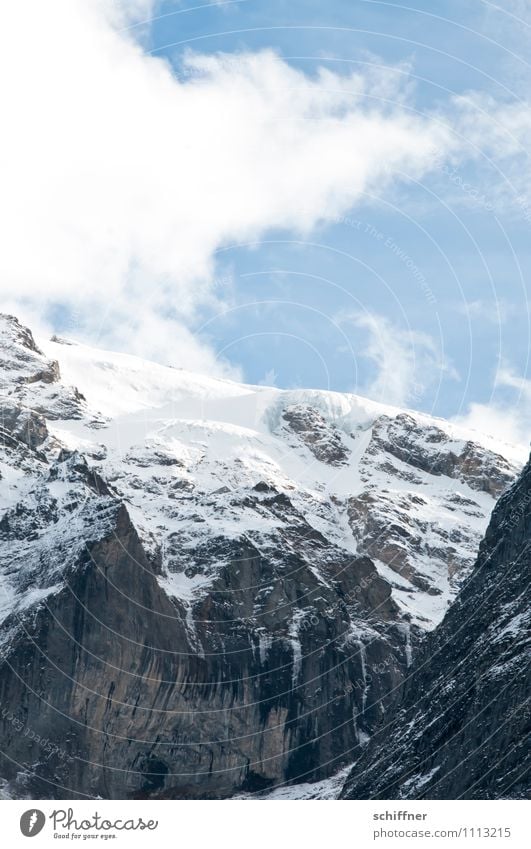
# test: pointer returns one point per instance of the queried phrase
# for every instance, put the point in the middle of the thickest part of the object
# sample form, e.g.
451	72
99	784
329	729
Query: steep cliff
461	729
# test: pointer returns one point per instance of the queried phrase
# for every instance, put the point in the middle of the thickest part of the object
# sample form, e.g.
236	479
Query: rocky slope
461	729
209	588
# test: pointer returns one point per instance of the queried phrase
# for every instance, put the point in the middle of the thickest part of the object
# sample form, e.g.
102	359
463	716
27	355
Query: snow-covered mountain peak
280	552
184	451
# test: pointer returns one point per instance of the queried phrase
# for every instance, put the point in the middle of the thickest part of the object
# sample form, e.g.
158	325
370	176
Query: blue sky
458	245
409	285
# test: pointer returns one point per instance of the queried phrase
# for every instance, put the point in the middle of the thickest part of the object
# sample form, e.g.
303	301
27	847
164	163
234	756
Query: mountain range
210	589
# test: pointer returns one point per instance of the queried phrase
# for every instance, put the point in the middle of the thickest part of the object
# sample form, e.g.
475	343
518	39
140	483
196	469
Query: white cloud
406	362
495	311
497	135
120	182
123	12
508	414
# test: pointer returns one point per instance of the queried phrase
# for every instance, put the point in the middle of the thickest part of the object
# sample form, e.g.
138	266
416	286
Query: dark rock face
462	725
26	426
134	699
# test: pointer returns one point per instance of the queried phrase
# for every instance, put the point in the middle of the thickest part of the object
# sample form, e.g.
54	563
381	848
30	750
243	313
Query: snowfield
178	446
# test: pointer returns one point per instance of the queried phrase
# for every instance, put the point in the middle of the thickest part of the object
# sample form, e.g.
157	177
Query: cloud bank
405	362
508	414
121	179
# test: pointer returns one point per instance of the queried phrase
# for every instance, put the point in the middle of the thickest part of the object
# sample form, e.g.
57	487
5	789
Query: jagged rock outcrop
19	424
31	380
427	448
322	438
461	729
199	593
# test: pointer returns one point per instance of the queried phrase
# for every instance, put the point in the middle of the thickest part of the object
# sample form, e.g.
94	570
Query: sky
291	193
